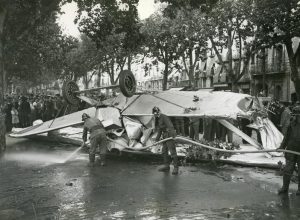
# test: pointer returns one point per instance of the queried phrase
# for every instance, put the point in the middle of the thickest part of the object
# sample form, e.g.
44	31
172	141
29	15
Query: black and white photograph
149	109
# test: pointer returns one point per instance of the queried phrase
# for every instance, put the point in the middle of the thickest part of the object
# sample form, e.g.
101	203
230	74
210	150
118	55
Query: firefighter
291	141
97	138
166	129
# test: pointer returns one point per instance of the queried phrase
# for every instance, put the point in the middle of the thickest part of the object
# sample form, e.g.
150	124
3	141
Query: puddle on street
262	212
129	190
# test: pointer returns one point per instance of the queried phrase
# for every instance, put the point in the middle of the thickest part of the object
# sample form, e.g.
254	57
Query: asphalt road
36	184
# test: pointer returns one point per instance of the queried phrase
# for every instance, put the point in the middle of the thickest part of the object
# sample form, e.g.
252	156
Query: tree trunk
246	65
230	69
191	69
165	77
112	67
2	72
240	55
293	65
217	52
2	134
129	62
264	72
226	69
99	77
85	82
192	77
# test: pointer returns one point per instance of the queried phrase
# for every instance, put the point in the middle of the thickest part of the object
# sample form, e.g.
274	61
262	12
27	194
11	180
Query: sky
66	21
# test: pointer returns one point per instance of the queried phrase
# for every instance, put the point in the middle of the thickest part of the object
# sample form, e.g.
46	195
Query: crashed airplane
129	121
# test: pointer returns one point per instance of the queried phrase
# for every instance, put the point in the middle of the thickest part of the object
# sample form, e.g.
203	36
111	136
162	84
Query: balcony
271	68
277	67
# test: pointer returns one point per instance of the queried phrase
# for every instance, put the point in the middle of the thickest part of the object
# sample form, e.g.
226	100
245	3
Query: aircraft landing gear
68	91
127	85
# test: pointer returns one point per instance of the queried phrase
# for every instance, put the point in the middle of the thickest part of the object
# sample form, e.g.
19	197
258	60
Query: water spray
73	153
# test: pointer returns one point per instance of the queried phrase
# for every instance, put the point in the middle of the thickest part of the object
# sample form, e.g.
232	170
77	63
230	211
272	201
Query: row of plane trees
180	35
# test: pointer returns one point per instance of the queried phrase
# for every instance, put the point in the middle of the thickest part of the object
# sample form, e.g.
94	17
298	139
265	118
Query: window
278	61
279	54
252	58
278	92
211	81
204	82
236	67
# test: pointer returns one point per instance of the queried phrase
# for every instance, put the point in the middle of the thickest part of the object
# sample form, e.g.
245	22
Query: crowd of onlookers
21	111
278	112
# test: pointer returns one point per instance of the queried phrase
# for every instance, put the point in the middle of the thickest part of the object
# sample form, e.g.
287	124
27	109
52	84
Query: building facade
271	73
268	73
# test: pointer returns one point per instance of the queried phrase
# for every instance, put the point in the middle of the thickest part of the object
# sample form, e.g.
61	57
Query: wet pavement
36	184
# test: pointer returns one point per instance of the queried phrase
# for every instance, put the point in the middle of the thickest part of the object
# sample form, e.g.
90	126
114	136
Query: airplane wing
189	104
120	101
58	123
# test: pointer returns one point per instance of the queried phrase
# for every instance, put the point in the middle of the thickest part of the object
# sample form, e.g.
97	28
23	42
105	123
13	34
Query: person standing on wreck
97	138
291	141
165	128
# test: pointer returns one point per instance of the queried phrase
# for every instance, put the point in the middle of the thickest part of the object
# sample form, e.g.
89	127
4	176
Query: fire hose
178	138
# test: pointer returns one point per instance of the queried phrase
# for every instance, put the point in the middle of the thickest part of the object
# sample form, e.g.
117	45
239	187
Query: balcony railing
276	67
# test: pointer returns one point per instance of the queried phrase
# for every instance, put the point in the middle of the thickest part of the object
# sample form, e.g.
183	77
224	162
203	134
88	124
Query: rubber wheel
127	83
68	91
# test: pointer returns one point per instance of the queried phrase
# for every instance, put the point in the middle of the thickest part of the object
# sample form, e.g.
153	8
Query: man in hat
97	138
8	117
291	141
166	128
24	112
285	118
